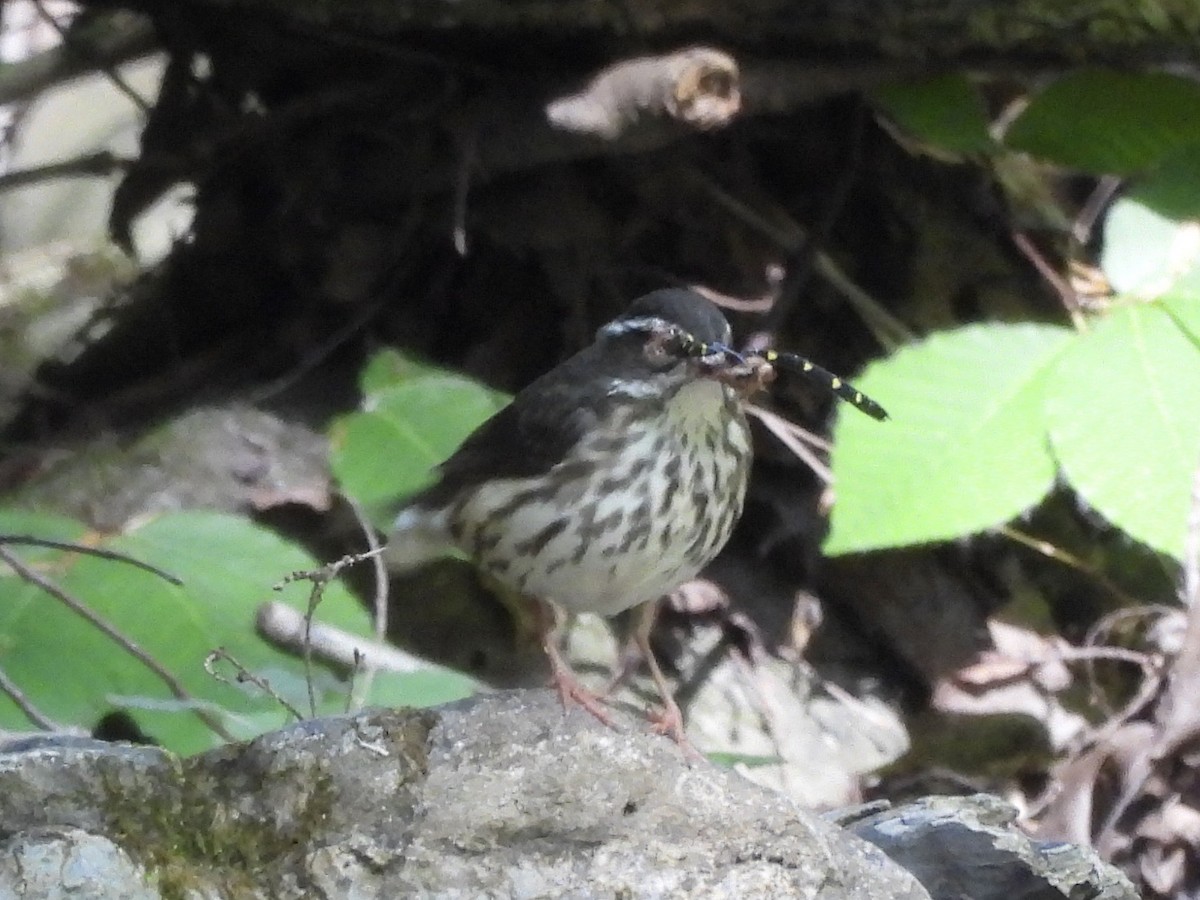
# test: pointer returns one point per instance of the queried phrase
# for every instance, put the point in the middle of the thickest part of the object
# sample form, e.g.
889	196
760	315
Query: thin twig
1150	664
887	329
793	437
1145	661
1049	550
72	547
120	38
1081	229
462	186
82	48
362	687
1062	287
320	579
759	304
112	633
354	670
244	675
1117	718
801	263
1175	714
89	165
1103	628
790	237
27	706
314	600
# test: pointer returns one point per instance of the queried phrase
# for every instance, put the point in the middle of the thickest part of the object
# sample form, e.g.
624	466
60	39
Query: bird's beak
746	376
712	365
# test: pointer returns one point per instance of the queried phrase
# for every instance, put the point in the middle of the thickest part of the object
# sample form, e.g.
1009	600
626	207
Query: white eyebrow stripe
641	323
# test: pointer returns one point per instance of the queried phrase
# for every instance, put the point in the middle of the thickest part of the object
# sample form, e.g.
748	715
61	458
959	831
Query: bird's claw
572	693
669	722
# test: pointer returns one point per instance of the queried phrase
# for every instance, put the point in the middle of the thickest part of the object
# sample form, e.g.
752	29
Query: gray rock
53	863
68	781
500	796
968	847
521	802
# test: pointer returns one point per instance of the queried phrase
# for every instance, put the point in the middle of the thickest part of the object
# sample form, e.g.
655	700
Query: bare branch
1046	548
320	579
32	713
119	38
93	164
369	664
116	636
284	627
1062	287
795	439
72	41
698	87
72	547
245	675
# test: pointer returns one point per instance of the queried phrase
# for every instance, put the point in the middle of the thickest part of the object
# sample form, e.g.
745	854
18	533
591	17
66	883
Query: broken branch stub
699	87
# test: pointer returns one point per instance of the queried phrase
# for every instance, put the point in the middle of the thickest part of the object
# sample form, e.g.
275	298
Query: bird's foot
668	721
571	692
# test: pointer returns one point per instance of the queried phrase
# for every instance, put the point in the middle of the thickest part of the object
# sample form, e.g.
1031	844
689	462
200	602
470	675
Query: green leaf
49	526
1105	121
1124	424
965	449
74	673
945	111
374	460
1186	311
414	418
1142	252
388	368
1172	188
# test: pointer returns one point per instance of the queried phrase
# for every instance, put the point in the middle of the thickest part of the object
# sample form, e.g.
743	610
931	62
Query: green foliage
1139	124
1172	187
1123	420
985	417
74	673
413	416
965	449
945	111
1110	122
1139	248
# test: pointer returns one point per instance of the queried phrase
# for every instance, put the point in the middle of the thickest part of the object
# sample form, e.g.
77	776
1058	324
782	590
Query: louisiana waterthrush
607	482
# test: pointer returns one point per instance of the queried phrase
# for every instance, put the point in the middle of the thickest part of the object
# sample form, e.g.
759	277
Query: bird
604	484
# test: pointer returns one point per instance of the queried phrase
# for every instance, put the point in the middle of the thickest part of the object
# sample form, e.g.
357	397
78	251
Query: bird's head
645	338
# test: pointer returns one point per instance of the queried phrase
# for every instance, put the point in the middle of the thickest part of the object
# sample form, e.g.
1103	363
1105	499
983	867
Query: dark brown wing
538	429
533	433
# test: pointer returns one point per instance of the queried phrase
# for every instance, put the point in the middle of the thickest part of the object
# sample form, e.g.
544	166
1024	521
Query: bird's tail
418	536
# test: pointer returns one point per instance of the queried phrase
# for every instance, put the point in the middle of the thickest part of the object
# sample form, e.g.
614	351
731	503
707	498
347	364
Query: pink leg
564	679
668	720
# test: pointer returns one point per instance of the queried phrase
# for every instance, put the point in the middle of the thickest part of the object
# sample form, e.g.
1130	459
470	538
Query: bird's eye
655	351
660	349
